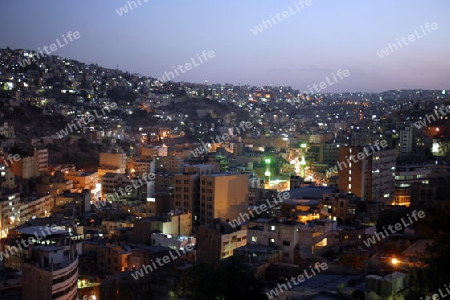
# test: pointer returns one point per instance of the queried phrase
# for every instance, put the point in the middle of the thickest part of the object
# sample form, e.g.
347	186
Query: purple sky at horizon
299	51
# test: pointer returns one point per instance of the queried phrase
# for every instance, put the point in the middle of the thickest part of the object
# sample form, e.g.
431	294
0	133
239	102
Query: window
254	239
286	243
272	227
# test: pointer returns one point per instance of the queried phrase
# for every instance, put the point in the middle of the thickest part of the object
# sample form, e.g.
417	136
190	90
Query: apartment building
7	178
140	167
9	212
169	164
71	203
218	240
51	271
328	153
174	222
26	167
42	159
370	178
83	180
295	240
36	206
223	195
316	236
112	182
112	258
116	161
187	188
278	235
409	178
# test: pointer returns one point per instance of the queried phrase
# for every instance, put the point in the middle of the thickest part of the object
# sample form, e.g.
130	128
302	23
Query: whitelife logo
323	85
441	294
165	260
359	156
296	281
265	24
84	120
435	116
391	48
220	139
53	47
124	9
11	159
135	184
384	234
31	240
187	66
243	217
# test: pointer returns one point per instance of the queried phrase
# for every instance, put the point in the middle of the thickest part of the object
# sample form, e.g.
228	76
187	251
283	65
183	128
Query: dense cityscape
199	159
150	186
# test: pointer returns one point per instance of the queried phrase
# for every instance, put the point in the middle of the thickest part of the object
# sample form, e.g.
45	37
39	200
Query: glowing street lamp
303	165
267	172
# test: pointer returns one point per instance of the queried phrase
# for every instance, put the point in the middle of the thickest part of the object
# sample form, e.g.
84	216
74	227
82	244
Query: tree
229	280
436	226
351	260
390	217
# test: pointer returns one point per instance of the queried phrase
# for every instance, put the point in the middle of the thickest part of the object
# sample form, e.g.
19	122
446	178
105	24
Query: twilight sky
304	48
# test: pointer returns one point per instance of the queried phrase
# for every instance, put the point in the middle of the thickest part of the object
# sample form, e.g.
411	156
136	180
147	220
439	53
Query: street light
267	172
303	165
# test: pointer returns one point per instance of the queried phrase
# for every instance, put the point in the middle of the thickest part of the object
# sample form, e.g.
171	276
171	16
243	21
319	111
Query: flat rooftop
40	231
322	282
310	192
